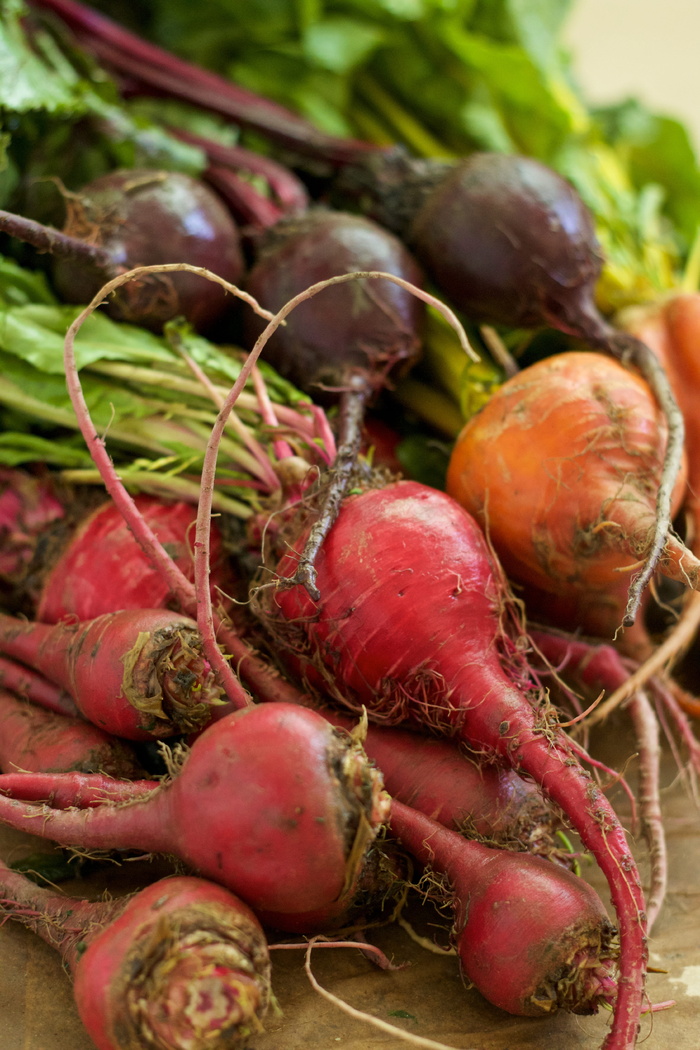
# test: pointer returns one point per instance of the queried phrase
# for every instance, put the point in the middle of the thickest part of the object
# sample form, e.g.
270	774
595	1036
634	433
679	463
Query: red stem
47	239
156	68
288	189
26	682
245	202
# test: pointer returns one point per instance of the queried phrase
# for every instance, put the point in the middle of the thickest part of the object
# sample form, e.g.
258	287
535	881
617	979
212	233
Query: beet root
270	801
137	673
180	965
366	328
411	624
140	217
532	937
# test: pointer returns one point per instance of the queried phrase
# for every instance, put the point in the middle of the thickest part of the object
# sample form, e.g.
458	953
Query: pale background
647	48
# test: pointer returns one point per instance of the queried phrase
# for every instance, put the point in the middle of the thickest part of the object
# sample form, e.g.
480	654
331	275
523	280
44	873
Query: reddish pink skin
254	808
74	789
96	938
408	587
597	664
86	659
28	506
435	777
104	569
99	985
25	682
513	911
40	741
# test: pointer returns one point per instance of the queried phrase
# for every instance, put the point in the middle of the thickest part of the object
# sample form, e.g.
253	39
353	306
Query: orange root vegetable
671	328
562	468
411	624
138	674
270	802
180	965
36	740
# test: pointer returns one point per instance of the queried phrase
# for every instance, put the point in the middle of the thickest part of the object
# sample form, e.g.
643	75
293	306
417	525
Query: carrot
36	740
561	467
180	965
531	936
270	802
410	624
138	673
671	328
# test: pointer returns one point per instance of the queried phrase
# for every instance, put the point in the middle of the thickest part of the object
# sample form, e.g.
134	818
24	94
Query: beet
142	218
510	241
347	342
352	329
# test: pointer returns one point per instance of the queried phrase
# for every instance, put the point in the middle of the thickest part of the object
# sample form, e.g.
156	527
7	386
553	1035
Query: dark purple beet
143	218
365	329
510	241
505	237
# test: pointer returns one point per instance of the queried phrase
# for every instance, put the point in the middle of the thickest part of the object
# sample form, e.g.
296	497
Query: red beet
361	328
36	740
345	343
410	624
180	965
125	580
138	673
270	802
532	937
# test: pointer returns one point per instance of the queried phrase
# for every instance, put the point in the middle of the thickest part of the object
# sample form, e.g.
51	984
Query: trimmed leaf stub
168	679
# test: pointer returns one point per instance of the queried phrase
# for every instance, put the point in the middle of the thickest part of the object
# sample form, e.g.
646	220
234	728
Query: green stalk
412	133
431	406
157	484
13	397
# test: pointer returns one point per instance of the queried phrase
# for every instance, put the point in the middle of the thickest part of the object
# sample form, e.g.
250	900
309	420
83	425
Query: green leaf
37	77
659	150
36	333
17	448
19	287
340	44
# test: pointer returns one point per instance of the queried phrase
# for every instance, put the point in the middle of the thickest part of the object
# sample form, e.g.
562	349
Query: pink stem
26	682
144	535
267	412
261	457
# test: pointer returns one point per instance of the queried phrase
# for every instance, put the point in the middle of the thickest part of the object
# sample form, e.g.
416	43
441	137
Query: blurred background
645	48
